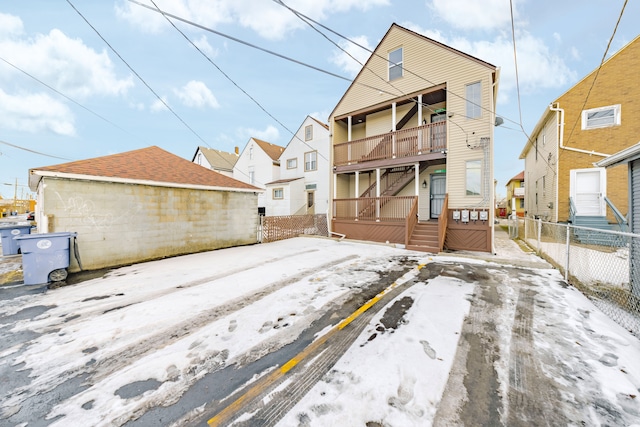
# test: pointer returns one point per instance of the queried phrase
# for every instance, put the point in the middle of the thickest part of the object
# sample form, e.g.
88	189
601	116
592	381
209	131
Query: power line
66	97
138	75
236	85
595	77
33	151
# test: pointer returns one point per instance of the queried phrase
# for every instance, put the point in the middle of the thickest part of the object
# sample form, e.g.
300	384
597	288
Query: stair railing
622	221
443	221
411	221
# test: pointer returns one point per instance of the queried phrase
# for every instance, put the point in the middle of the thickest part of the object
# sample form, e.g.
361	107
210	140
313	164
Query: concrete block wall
119	224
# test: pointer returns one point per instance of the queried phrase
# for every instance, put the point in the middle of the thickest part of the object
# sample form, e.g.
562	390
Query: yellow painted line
265	382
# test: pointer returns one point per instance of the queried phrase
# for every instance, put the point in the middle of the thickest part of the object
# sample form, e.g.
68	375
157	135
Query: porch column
357	192
417	179
335	193
420	124
393	129
378	194
349	140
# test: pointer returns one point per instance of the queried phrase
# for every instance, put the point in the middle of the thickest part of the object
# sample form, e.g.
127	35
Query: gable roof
549	109
218	159
417	35
151	165
519	177
272	150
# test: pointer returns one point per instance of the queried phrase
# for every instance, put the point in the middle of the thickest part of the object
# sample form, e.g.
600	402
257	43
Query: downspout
555	107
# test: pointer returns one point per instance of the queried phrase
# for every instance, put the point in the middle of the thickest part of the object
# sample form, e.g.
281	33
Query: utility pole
15	195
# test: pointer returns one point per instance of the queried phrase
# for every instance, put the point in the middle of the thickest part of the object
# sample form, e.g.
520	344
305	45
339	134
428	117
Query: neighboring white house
303	185
258	164
216	160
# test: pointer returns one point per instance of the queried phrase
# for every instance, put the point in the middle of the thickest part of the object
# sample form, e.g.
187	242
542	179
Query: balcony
518	192
405	143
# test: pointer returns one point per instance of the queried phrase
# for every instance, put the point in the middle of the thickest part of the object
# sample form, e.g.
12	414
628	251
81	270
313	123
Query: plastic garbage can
45	257
7	233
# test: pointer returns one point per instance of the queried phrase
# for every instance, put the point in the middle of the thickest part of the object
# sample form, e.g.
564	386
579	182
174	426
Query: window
278	193
292	163
521	203
601	117
252	177
474	169
473	100
395	64
308	133
199	161
309	199
310	161
251	153
544	186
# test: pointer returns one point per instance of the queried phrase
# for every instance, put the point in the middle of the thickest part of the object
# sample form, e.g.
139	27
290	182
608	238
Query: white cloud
474	14
157	105
197	95
270	134
346	61
203	44
268	19
35	113
64	63
10	25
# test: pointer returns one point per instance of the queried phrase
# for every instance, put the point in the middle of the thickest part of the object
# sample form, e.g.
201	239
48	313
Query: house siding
145	222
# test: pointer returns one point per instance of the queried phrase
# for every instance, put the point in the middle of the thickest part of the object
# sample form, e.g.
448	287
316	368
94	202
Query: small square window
278	193
601	117
395	64
292	163
308	133
310	161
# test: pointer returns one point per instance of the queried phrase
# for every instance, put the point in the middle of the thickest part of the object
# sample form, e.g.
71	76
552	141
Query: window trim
281	190
308	129
295	163
473	107
467	169
395	65
617	116
314	162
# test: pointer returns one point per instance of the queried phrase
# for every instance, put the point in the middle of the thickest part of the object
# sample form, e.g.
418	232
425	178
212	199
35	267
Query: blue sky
86	102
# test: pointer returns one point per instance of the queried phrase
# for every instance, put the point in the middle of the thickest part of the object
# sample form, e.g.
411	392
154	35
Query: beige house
142	205
591	121
216	160
412	147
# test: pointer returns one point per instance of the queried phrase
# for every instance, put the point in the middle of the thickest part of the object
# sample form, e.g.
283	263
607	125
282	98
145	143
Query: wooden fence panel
276	228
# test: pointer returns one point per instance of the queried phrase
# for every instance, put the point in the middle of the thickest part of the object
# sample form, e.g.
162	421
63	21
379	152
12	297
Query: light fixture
424	183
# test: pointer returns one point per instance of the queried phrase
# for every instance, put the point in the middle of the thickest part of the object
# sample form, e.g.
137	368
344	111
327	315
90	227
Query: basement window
601	117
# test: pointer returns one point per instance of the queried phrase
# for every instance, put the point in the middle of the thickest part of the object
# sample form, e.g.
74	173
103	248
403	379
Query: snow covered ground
174	320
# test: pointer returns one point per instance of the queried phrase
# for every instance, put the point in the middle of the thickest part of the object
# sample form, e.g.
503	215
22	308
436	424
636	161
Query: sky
81	79
158	321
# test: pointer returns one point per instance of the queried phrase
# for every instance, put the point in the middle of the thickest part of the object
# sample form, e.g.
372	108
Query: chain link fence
273	228
603	265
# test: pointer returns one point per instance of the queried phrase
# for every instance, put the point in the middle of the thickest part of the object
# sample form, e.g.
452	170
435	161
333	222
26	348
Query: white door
588	187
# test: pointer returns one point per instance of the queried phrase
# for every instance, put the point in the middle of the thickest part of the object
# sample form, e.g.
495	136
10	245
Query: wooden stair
425	237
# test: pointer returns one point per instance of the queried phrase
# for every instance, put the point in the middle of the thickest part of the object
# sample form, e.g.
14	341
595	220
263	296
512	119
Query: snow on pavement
174	320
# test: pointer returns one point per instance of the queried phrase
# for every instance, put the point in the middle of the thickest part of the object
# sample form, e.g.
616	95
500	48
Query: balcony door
437	194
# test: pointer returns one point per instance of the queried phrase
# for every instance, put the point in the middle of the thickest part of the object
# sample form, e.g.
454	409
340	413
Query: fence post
539	233
566	268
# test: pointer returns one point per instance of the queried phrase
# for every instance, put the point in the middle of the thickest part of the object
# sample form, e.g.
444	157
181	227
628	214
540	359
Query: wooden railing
387	209
443	220
402	143
412	220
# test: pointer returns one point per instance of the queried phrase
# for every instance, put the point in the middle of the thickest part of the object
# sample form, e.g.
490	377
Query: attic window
601	117
308	133
395	64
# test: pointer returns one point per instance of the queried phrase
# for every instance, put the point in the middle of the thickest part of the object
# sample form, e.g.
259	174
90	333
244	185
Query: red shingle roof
519	177
147	164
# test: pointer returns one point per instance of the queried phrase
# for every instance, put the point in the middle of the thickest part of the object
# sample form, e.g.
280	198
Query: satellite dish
499	121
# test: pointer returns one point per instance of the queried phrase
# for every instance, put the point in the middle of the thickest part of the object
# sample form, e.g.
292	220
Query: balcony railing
518	192
402	143
387	209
